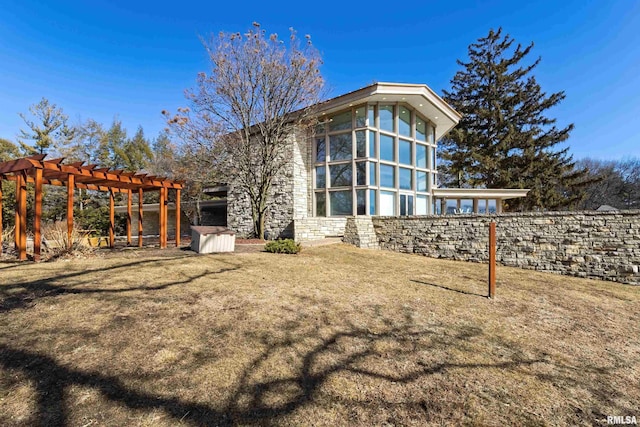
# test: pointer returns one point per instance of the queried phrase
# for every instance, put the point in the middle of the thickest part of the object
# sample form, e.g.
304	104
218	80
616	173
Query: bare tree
258	91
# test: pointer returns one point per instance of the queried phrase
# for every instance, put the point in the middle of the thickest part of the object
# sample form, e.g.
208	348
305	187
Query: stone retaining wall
599	245
314	228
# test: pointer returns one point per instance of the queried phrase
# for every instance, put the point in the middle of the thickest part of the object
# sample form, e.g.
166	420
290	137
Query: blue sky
132	59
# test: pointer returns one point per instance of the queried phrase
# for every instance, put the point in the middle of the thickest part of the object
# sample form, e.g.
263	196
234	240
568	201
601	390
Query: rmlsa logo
615	419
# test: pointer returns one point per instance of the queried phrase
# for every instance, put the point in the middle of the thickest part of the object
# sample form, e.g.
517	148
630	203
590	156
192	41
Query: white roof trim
419	96
479	193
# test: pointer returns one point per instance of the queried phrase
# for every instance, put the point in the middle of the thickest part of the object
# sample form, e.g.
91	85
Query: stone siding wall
279	218
315	228
599	245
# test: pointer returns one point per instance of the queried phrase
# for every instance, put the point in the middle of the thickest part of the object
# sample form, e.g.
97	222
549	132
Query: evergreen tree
48	130
136	153
504	139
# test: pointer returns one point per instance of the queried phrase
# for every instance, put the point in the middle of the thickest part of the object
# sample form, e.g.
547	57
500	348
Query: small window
421	156
372	116
404	124
341	121
361	173
321	150
406	179
387	176
386	117
340	146
341	202
421	130
372	202
341	175
321	177
421	178
387	148
361	143
361	114
404	149
372	143
321	204
387	203
372	174
361	208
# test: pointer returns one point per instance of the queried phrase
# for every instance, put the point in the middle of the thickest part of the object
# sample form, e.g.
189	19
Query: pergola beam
35	169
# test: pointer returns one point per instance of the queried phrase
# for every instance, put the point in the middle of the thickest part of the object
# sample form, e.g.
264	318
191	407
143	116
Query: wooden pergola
37	170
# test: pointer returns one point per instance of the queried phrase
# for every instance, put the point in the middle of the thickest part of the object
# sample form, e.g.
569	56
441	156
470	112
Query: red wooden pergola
37	170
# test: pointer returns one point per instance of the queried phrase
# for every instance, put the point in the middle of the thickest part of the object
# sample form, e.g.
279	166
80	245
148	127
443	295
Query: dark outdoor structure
37	170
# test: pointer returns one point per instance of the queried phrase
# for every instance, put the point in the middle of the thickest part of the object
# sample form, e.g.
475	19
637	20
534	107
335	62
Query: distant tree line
614	183
48	131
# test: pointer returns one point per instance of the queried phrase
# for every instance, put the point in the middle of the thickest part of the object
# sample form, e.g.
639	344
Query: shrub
285	246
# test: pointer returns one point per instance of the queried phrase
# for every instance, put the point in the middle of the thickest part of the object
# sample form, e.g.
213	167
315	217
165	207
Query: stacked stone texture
359	231
315	228
599	245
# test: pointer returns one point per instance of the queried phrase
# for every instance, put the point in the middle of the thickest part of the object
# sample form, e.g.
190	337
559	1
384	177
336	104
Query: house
372	153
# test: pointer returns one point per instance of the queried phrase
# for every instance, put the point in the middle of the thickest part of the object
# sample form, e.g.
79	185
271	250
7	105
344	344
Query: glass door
406	204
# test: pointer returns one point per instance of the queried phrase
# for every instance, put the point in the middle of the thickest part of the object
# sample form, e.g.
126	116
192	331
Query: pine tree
504	139
49	130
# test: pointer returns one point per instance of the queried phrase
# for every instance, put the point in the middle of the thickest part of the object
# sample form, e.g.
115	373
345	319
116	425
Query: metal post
492	260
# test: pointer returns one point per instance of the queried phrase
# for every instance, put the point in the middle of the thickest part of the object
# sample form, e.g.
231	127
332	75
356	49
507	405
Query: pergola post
498	206
161	217
0	213
129	218
178	218
475	206
37	219
112	219
140	206
21	215
70	187
16	223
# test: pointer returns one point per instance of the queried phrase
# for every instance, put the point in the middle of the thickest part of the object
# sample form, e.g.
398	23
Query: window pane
387	176
319	129
404	125
405	152
406	179
340	146
387	203
321	177
372	144
430	134
421	130
372	202
452	206
466	206
386	117
321	150
361	144
387	151
372	173
361	202
421	178
361	173
360	116
341	175
421	205
341	121
341	202
372	116
403	204
321	204
421	156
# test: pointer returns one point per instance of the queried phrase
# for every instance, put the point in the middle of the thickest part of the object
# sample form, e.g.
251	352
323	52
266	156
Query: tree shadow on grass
24	294
391	352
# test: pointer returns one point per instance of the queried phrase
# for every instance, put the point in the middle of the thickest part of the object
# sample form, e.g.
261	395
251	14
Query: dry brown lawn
333	336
